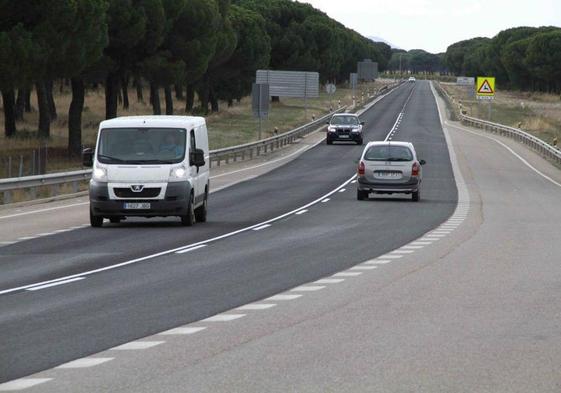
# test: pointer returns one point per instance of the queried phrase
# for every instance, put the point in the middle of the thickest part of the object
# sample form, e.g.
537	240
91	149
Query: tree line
416	61
525	58
198	50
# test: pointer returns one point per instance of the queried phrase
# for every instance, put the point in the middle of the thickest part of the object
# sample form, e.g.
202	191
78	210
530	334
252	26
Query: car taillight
416	169
361	169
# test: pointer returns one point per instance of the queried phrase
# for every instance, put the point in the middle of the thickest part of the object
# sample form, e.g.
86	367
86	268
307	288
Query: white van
149	166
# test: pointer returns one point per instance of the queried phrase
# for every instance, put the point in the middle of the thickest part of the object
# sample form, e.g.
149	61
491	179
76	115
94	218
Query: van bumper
175	202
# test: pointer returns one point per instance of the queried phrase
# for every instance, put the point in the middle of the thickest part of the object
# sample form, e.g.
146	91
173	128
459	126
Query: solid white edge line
54	284
191	249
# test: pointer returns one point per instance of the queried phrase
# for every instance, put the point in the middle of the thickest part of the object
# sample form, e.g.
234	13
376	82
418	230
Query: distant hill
380	39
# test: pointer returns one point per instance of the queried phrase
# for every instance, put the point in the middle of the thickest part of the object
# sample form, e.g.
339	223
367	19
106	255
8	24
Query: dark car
344	127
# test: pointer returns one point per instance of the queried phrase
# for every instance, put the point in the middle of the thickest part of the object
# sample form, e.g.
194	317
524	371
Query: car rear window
388	153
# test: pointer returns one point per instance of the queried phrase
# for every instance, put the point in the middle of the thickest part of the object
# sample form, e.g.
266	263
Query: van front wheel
188	219
95	221
201	211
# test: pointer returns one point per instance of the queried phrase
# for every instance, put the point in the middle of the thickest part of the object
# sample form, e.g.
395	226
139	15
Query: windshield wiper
397	159
109	158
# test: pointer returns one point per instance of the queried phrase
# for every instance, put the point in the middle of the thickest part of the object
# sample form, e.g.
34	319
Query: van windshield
388	153
344	121
141	145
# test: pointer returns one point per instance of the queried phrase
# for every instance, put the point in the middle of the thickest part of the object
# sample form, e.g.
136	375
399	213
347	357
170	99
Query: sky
433	25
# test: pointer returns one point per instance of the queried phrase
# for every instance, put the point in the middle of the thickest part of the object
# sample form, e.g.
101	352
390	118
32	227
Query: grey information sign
260	100
354	80
367	70
296	84
465	81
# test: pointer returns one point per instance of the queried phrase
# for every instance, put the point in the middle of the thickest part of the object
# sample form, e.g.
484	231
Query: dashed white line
301	212
325	200
180	331
21	384
412	247
262	227
224	318
54	284
393	256
85	362
377	262
307	288
342	190
421	243
137	345
347	274
283	297
400	251
256	306
329	281
191	249
364	267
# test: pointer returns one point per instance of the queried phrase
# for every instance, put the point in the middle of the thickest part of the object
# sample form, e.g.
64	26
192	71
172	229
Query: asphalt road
44	328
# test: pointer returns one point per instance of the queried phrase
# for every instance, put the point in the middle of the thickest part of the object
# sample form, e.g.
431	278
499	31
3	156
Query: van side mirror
197	158
87	157
422	162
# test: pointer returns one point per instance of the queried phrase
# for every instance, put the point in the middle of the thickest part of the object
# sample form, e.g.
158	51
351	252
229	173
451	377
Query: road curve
47	327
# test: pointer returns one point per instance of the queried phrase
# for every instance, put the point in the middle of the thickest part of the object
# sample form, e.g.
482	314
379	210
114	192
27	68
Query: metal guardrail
217	157
540	146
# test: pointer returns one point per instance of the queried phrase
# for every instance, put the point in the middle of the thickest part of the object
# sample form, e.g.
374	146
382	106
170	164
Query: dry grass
536	113
230	126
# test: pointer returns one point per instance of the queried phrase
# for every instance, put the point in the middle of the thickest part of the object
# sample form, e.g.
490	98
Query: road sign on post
260	102
485	88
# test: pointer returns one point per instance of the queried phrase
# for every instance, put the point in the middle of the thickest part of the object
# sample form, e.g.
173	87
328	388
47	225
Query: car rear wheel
95	221
188	219
416	195
361	195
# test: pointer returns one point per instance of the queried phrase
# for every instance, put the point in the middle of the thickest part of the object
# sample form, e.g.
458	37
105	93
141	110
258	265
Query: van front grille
145	193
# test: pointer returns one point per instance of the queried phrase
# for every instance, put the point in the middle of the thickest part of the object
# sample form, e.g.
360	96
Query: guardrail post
7	197
75	187
33	192
54	189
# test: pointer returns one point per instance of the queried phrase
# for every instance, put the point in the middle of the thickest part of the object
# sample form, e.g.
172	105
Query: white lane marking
329	281
44	234
21	384
191	249
353	182
307	288
326	200
301	212
363	267
224	318
8	243
256	306
342	190
182	331
62	230
392	256
85	362
167	252
377	262
412	247
26	238
54	284
400	251
440	232
283	297
44	210
421	243
262	227
347	274
137	345
430	239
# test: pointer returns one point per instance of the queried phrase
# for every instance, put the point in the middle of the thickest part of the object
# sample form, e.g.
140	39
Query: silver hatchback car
388	168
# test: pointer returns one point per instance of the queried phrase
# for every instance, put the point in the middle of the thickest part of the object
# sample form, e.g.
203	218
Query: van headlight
178	173
99	174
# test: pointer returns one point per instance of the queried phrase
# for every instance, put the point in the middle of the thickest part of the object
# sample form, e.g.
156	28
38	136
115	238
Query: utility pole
400	76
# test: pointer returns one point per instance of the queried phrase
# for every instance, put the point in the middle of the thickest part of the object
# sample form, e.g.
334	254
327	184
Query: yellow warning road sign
485	87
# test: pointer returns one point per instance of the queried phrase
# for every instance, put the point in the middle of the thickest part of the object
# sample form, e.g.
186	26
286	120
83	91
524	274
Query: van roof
392	143
187	122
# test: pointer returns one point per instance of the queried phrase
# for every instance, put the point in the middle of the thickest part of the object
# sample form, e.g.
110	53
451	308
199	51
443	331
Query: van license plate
137	206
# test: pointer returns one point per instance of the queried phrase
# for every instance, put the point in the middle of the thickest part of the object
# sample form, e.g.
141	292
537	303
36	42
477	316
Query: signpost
354	82
485	90
260	103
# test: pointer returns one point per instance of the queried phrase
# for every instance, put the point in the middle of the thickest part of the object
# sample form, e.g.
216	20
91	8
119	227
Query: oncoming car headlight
331	129
99	174
178	173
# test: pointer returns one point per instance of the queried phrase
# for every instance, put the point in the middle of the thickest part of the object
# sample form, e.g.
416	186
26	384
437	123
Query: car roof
388	143
345	114
187	122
